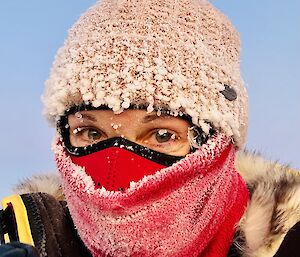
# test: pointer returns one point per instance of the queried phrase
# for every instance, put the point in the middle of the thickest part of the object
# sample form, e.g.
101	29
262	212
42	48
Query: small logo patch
229	93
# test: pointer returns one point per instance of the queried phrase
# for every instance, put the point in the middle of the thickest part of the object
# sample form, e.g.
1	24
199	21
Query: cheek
74	141
185	149
182	149
72	138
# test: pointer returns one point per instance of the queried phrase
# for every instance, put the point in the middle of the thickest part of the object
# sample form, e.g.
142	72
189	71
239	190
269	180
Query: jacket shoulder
40	220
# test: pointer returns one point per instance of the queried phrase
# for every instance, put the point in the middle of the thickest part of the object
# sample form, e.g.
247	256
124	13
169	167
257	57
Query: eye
163	136
87	134
93	134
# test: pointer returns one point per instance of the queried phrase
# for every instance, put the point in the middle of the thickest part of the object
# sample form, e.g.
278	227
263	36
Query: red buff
188	209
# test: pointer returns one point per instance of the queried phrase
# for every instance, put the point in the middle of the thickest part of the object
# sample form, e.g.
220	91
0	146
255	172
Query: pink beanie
183	56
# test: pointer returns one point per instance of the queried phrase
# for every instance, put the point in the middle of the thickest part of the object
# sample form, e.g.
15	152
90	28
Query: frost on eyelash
77	130
158	113
162	132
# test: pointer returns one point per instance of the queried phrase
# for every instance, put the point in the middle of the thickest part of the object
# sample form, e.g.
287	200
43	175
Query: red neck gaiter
188	209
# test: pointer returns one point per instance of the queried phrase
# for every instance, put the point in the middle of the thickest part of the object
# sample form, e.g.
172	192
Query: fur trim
46	183
273	209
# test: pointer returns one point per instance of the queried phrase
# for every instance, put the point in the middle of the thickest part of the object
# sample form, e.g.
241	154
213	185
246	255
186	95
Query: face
164	133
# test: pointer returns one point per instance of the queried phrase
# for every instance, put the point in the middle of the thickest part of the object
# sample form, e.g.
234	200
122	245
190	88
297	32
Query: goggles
115	162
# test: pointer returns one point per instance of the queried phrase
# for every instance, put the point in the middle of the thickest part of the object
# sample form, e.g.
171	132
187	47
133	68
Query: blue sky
32	31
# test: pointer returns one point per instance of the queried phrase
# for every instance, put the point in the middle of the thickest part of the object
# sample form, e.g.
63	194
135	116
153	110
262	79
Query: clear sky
32	31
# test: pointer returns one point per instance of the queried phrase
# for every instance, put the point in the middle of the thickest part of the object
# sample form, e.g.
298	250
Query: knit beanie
183	56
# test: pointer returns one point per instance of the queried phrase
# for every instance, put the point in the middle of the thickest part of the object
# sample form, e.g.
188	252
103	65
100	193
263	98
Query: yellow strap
23	226
6	238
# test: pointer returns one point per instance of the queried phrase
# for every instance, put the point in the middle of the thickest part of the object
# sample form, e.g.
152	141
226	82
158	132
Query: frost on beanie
162	54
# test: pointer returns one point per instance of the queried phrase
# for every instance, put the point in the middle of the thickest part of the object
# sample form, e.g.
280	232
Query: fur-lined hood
272	211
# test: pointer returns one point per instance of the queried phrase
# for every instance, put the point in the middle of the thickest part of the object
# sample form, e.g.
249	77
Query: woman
150	109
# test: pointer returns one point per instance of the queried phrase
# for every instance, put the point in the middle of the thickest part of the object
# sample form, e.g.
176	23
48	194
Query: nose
125	130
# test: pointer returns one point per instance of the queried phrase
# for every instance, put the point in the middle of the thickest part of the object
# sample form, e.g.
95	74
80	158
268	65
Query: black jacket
54	234
17	250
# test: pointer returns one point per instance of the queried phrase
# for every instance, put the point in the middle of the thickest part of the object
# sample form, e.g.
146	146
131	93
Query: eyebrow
86	116
152	117
146	119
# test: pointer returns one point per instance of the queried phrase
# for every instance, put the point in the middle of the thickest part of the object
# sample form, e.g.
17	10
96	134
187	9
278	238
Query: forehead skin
129	118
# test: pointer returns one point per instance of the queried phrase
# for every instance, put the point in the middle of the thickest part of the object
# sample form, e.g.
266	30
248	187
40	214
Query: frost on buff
75	174
80	174
207	152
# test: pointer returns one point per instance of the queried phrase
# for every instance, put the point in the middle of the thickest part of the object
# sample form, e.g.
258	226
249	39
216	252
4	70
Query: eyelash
80	130
77	130
172	139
